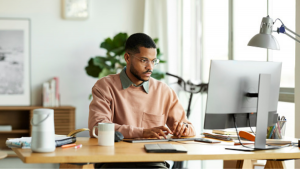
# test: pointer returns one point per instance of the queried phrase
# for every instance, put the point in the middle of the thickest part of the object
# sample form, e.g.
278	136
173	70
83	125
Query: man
139	105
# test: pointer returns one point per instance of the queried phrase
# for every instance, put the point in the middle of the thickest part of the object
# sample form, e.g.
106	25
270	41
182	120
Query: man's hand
181	129
156	132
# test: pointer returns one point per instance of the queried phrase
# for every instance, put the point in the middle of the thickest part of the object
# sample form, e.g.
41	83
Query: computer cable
237	133
248	119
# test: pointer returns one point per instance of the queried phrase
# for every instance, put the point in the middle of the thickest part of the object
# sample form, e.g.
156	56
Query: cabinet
19	118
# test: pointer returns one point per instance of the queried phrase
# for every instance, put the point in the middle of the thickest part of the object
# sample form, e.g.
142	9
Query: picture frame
15	78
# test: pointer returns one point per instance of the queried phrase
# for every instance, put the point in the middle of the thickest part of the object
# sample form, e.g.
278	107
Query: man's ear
127	58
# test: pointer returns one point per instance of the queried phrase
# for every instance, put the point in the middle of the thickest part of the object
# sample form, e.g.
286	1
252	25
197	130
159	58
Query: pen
78	146
279	130
68	145
272	131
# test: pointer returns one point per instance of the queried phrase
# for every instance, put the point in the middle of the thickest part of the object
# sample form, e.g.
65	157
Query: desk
134	152
2	155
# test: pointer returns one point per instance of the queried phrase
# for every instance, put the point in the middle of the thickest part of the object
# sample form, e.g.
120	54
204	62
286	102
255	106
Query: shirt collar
126	82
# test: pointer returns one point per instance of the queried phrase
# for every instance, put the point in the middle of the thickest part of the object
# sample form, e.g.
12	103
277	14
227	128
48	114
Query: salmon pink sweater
132	109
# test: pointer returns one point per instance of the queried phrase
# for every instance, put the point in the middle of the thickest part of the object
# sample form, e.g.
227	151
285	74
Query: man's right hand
156	132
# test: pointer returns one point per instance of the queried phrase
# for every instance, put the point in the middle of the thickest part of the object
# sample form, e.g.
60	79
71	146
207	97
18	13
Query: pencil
68	145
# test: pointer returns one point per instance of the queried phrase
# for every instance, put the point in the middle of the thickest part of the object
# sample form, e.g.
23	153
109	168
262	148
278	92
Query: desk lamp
265	39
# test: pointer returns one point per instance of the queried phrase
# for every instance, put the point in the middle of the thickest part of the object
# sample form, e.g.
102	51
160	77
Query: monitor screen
229	84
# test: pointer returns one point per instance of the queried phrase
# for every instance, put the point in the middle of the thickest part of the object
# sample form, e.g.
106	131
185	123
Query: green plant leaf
91	69
119	50
155	40
107	44
156	74
162	61
158	52
123	64
101	62
119	40
105	72
115	45
90	96
159	56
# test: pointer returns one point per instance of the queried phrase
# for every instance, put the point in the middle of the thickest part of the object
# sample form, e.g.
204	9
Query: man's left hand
181	129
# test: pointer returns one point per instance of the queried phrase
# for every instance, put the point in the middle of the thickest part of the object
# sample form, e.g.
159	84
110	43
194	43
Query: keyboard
164	148
147	140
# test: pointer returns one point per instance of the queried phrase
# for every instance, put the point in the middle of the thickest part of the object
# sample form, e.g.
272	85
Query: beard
136	74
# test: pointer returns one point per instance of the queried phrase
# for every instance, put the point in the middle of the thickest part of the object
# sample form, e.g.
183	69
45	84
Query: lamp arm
283	29
292	37
292	31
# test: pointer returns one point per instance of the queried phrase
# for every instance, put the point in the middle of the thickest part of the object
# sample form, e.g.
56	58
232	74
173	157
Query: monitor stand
262	116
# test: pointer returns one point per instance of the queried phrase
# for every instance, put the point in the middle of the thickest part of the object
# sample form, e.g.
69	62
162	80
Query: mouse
118	136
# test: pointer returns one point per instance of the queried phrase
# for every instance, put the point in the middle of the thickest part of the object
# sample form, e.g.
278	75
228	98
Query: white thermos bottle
42	132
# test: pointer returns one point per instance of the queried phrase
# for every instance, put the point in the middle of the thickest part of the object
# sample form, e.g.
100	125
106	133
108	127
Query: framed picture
14	62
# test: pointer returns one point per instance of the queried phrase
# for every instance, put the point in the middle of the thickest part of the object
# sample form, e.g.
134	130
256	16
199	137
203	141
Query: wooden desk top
3	155
134	152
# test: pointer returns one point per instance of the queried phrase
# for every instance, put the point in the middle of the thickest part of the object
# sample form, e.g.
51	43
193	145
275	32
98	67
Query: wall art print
14	62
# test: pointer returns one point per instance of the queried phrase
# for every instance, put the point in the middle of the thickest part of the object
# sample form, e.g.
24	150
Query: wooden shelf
35	107
19	118
15	131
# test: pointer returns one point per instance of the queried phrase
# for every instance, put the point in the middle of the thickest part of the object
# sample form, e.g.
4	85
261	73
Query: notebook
164	148
147	140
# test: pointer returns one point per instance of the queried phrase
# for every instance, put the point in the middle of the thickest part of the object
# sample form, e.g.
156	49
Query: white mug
106	134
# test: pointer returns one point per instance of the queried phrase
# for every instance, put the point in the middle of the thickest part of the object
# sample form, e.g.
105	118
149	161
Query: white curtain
177	25
162	20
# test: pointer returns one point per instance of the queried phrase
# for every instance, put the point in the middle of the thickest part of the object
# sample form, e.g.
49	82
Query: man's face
141	64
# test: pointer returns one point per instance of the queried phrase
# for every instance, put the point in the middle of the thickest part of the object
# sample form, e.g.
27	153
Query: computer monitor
246	90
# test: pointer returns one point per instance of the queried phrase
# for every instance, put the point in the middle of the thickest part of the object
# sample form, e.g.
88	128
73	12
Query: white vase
42	133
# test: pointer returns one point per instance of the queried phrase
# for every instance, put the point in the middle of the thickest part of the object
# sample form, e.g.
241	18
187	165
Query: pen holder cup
277	131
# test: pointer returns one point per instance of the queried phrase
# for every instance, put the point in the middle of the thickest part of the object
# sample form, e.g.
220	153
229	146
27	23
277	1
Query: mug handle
94	132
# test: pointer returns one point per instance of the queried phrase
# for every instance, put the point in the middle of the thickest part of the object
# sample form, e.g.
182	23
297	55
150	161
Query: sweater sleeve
177	114
100	112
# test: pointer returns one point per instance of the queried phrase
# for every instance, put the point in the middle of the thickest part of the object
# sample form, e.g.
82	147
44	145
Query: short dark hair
137	40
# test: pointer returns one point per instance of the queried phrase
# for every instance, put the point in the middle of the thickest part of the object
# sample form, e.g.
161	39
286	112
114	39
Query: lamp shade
264	41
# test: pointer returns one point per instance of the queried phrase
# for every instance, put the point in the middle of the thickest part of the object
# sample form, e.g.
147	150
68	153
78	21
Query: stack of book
224	132
228	134
51	96
25	142
217	136
5	127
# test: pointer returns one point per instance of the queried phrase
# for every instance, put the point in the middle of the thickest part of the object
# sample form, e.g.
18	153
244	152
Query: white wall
62	47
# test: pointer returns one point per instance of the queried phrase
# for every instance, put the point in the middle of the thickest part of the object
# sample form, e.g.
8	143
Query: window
245	25
286	12
215	33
